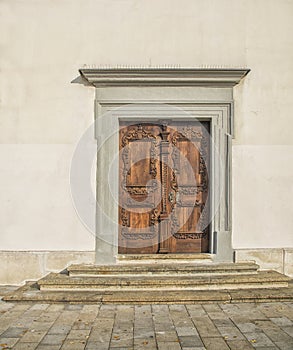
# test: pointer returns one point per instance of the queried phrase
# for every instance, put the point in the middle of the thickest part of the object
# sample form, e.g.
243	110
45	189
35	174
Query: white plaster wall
42	115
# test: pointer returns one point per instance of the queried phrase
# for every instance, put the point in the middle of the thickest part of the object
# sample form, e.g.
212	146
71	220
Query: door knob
171	197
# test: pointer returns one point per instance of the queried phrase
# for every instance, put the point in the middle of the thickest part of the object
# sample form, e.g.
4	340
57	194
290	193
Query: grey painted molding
211	77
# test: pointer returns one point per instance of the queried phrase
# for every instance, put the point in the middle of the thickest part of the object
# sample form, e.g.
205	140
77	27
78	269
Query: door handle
171	197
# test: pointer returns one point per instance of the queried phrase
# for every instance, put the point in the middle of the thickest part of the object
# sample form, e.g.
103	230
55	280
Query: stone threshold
166	258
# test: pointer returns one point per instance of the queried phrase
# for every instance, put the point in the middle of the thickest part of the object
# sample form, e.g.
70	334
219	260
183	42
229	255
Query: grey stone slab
40	306
59	329
282	321
288	330
239	345
248	327
182	331
147	343
167	336
190	341
215	343
264	324
32	336
205	327
41	326
258	339
14	332
78	334
230	333
196	310
168	346
223	322
74	307
8	342
73	345
94	345
25	346
53	339
144	332
48	347
278	335
284	345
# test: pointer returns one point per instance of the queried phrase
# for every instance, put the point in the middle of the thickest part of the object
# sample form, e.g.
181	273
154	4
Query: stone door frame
204	95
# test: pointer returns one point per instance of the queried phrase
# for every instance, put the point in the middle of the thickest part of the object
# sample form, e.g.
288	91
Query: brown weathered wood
163	188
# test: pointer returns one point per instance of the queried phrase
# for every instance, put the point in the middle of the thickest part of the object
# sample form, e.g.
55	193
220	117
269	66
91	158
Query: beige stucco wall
44	43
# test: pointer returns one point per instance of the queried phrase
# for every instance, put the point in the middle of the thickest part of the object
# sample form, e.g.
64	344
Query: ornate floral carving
135	236
137	132
124	217
190	235
189	190
154	157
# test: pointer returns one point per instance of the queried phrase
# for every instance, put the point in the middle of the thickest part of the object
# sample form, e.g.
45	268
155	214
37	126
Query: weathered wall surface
44	43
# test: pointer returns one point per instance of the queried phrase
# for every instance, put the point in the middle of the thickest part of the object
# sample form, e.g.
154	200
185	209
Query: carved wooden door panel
163	194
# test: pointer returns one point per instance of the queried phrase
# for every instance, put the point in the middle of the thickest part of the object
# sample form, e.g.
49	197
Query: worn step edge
194	287
139	257
30	294
267	278
96	270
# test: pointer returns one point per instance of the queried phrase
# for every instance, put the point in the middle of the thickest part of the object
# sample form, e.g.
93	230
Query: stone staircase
158	282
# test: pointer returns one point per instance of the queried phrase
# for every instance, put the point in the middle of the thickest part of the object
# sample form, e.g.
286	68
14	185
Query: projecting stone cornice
208	77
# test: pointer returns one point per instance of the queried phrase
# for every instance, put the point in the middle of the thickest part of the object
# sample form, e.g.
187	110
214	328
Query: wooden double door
164	187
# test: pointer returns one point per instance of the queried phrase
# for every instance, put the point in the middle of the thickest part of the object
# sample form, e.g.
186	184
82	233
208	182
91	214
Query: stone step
62	282
166	258
31	294
162	269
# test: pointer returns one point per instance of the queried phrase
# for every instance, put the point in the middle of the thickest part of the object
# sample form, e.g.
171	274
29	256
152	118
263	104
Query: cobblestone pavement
163	327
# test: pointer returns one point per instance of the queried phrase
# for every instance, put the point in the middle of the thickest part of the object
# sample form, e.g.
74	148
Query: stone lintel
207	77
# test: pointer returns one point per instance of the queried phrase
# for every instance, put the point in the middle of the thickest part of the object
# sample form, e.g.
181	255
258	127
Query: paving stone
182	331
258	339
239	345
167	336
140	332
80	325
48	347
248	327
284	346
190	341
8	342
168	346
282	321
33	336
78	334
59	329
53	339
73	307
73	345
205	327
25	346
215	343
41	326
230	333
278	335
147	343
55	307
97	346
223	322
14	332
288	330
40	306
195	310
265	324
